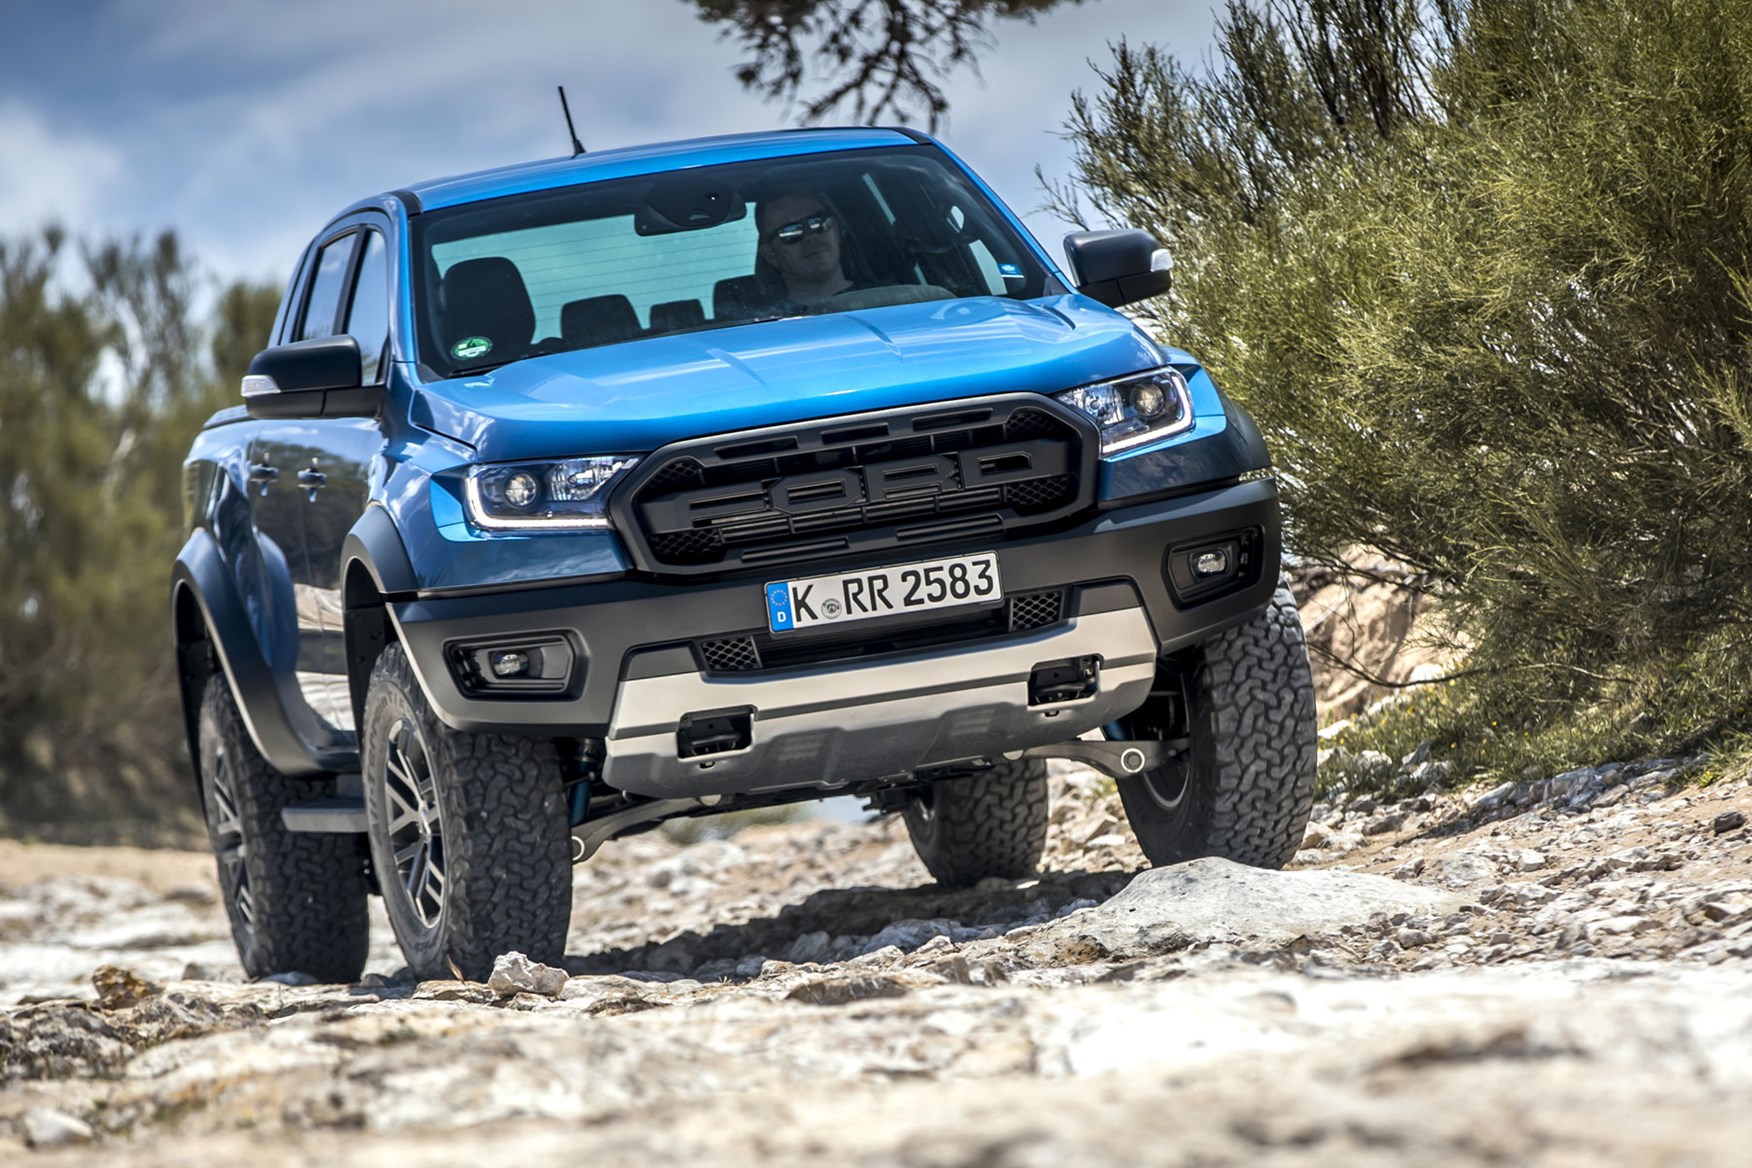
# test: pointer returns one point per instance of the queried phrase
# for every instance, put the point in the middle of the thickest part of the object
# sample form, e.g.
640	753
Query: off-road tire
501	843
990	823
1247	787
295	900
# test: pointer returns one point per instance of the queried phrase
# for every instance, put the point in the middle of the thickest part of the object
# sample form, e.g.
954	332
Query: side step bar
342	813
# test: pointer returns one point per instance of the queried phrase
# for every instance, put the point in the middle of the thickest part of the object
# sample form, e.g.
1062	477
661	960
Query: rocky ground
1555	973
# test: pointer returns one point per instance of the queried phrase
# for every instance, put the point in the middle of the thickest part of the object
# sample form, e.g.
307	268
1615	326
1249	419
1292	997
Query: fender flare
1250	443
200	572
375	546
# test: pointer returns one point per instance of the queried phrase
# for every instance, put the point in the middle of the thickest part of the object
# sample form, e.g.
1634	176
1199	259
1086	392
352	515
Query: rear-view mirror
1118	267
309	379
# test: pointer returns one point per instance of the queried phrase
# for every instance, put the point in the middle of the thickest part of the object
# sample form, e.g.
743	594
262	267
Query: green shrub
1484	276
105	375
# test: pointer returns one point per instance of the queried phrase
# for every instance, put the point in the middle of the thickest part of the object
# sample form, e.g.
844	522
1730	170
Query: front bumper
827	727
636	671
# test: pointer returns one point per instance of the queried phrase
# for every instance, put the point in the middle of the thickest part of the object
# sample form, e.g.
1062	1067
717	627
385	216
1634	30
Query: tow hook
1118	759
1055	682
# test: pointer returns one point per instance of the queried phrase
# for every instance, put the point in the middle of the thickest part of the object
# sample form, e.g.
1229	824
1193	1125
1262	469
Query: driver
800	238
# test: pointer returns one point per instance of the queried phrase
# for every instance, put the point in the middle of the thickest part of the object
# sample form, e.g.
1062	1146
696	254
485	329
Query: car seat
486	297
599	320
673	315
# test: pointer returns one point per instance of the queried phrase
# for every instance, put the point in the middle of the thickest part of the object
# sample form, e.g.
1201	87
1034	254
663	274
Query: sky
244	125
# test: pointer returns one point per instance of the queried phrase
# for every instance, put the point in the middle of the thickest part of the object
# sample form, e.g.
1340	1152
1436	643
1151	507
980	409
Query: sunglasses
792	232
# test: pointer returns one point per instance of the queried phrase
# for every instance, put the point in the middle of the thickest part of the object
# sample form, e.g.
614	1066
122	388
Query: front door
295	453
340	476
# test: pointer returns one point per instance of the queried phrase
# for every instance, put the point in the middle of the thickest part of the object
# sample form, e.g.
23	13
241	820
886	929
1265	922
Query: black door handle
261	472
311	480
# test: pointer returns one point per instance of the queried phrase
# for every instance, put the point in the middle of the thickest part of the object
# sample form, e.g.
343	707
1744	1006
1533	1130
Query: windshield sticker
1010	271
469	348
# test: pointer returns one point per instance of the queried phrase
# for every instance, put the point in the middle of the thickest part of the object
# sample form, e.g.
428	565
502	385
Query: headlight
1137	409
545	495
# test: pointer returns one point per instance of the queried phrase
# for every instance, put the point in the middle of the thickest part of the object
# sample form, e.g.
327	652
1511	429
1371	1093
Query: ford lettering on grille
881	482
860	484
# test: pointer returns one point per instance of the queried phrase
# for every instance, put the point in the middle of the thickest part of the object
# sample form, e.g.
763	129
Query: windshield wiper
483	367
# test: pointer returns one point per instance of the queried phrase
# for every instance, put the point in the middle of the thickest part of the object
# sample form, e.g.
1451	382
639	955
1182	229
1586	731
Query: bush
1484	276
101	390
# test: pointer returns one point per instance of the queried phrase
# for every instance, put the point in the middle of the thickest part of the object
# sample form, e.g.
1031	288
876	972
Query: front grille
1040	494
1022	613
680	474
688	547
857	484
1036	610
731	655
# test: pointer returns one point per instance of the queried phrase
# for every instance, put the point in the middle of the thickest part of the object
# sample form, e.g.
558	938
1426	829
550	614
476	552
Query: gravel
1555	971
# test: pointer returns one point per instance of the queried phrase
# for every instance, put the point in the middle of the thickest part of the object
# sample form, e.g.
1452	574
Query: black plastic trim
318	378
261	694
741	500
1113	554
375	543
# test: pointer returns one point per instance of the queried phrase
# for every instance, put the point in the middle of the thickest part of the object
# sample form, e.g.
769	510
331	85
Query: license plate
854	596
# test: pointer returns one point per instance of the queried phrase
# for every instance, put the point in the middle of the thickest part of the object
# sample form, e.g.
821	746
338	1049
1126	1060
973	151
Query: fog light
509	663
530	665
1212	563
1213	567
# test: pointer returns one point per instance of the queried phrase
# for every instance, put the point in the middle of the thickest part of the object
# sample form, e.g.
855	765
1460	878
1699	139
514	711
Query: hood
632	398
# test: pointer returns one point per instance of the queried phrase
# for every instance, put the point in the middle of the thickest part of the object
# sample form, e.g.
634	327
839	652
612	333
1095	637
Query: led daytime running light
569	494
1132	411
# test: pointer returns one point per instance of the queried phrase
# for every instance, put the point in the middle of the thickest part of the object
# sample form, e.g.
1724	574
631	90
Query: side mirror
1118	267
309	379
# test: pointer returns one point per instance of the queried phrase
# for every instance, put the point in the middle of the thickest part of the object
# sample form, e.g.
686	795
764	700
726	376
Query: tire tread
992	823
308	889
507	842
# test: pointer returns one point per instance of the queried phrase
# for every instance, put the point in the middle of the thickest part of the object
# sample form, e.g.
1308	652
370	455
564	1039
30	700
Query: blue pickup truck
575	496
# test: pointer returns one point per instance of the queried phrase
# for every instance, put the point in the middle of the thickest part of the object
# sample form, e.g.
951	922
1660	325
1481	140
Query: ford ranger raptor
575	496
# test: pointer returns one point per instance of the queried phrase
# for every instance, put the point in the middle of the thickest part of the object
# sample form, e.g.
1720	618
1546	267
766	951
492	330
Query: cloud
50	173
245	125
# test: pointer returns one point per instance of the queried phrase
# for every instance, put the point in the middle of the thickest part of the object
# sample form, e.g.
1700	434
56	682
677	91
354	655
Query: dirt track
1558	974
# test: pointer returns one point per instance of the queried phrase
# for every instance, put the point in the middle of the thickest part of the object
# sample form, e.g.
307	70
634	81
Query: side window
368	318
324	301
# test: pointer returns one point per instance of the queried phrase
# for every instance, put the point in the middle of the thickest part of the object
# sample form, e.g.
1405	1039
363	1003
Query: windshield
707	247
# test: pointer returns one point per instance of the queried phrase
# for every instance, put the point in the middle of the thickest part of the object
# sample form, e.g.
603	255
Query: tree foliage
100	393
1484	274
881	58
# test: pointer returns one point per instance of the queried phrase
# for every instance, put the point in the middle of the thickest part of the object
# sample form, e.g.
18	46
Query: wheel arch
213	635
375	568
196	662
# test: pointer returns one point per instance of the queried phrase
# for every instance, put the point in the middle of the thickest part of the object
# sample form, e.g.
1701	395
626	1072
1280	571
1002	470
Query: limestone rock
44	1127
1216	900
514	973
119	988
838	991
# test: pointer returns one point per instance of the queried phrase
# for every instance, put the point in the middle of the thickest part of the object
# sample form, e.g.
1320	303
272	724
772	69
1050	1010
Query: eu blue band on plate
779	607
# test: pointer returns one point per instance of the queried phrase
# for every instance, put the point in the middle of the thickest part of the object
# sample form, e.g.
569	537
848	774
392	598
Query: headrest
736	298
599	320
486	297
676	314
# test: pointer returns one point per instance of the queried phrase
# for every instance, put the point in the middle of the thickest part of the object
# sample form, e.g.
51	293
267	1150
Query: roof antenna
577	146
